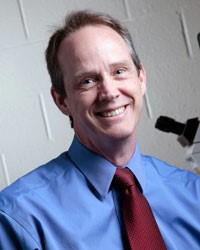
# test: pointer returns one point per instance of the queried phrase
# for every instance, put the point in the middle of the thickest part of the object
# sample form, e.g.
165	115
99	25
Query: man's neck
117	151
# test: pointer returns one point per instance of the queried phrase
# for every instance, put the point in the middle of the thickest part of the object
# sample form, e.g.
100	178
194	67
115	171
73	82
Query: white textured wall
32	130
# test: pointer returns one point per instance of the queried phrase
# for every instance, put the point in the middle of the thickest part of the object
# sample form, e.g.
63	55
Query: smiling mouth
112	113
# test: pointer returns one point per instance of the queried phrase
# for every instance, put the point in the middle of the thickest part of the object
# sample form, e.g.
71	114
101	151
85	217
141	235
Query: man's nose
107	90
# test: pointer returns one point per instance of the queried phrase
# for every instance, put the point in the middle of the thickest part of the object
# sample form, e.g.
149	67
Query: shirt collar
136	165
98	171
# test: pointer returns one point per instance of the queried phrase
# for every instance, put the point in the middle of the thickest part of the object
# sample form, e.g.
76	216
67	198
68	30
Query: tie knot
123	178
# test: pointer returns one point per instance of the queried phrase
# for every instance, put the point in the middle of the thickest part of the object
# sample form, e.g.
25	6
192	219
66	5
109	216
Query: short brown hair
73	22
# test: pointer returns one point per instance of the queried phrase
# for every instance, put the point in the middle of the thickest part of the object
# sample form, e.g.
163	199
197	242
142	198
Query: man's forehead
90	30
93	50
98	27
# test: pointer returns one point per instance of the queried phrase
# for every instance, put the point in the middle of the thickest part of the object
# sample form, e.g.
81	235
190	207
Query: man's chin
121	135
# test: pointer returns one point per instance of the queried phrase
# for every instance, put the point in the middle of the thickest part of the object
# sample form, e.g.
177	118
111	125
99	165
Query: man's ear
142	78
60	101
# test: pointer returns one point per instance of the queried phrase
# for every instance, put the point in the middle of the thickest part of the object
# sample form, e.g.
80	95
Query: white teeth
114	112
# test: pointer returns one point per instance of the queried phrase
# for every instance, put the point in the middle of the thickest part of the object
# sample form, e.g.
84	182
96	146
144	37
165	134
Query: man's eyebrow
122	63
83	73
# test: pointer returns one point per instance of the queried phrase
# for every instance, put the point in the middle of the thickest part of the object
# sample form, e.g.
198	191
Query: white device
188	136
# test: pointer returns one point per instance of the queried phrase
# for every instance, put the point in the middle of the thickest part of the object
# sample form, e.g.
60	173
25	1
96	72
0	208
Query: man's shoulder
35	180
167	171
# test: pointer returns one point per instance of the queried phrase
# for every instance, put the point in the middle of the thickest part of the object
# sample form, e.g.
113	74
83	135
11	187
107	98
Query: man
71	202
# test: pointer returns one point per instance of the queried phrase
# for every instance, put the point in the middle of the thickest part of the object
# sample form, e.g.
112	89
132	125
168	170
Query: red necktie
140	225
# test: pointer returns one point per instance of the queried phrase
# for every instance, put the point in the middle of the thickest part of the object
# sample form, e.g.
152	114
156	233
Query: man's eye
120	71
88	81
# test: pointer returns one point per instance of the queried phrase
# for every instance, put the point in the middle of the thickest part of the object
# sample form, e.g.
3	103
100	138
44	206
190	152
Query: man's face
104	91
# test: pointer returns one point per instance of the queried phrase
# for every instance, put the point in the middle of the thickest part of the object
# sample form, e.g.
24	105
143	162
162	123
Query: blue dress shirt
68	204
